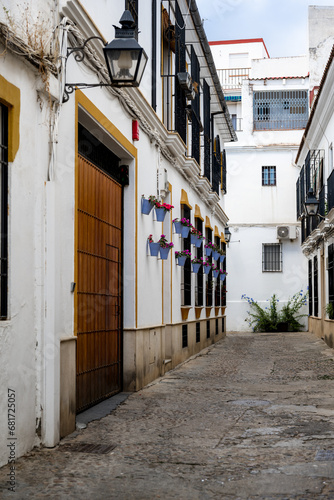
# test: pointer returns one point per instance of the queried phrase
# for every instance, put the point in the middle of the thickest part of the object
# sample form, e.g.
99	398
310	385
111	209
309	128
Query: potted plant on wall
208	248
154	246
215	271
197	262
196	237
182	256
215	252
222	274
147	204
221	255
165	247
182	226
161	209
207	266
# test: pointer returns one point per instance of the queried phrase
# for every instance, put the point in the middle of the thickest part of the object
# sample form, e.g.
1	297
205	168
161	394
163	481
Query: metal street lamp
311	204
125	58
227	234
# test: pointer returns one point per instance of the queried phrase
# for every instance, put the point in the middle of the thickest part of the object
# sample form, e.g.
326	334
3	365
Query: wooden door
99	301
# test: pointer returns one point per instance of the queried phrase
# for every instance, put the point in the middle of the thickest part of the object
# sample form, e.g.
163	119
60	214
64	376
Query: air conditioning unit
162	182
286	232
186	84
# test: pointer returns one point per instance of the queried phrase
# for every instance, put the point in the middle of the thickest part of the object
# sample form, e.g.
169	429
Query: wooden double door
98	311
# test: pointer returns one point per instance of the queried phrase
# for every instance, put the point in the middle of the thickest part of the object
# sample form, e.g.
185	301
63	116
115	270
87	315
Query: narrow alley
250	417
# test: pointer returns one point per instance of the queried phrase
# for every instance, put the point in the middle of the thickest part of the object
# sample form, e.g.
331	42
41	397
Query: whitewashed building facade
268	102
85	310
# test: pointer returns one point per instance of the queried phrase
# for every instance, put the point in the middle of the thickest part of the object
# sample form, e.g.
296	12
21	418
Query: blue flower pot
222	257
164	253
222	277
185	231
208	251
154	249
195	240
215	274
206	269
215	255
160	214
198	242
196	267
181	260
177	227
146	206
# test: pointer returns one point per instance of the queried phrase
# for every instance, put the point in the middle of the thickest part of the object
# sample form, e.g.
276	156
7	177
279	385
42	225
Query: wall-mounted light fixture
311	204
125	58
227	234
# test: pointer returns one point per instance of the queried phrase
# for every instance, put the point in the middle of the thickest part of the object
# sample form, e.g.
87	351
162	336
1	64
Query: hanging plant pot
160	214
146	206
181	260
215	255
208	251
185	231
222	277
154	249
195	240
164	251
215	274
198	243
177	227
206	269
196	267
222	257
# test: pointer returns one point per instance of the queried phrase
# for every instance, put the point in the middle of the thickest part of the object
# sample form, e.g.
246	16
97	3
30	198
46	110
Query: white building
315	159
268	102
85	310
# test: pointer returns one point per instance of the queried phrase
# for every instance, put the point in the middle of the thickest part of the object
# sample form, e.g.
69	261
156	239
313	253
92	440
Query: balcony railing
232	78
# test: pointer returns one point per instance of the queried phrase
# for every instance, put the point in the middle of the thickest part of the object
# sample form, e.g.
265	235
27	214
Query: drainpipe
154	55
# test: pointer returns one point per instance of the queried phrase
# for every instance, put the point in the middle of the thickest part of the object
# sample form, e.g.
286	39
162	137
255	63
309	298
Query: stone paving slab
251	417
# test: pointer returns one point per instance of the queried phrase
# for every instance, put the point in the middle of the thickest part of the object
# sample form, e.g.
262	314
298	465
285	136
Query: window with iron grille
268	176
186	272
209	279
198	332
132	6
184	336
199	275
4	211
315	287
310	288
217	290
224	172
223	283
195	108
208	329
180	67
216	166
207	129
271	257
280	110
330	272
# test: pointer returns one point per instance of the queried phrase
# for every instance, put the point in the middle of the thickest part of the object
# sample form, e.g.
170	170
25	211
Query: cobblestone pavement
251	417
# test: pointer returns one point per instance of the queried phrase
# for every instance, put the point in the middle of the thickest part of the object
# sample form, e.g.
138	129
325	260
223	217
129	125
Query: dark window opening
198	332
195	108
209	278
268	176
217	331
315	286
216	167
186	282
97	153
208	329
207	129
199	275
223	325
271	257
223	286
184	336
310	287
4	211
180	67
217	290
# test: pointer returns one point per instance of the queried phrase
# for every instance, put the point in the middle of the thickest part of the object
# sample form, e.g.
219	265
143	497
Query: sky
281	23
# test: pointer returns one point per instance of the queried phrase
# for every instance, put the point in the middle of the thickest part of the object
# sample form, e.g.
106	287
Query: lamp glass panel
123	64
141	66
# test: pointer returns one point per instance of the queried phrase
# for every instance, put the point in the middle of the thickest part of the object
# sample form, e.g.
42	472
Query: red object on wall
135	130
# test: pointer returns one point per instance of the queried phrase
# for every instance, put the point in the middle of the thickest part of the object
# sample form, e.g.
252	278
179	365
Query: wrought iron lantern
227	234
125	58
311	204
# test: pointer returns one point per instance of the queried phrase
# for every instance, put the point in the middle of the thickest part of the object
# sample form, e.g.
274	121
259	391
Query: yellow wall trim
217	232
208	223
184	199
11	97
198	214
222	238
